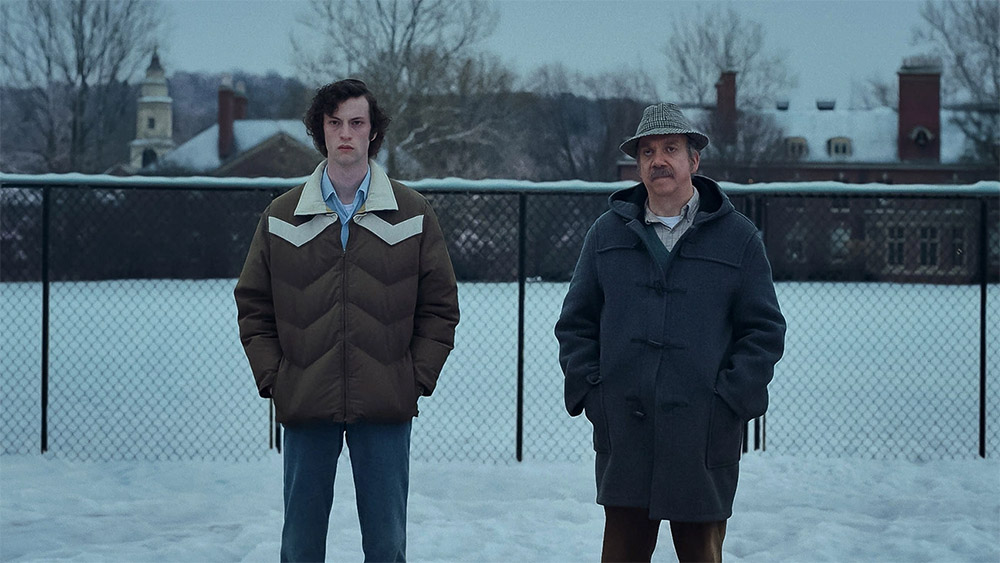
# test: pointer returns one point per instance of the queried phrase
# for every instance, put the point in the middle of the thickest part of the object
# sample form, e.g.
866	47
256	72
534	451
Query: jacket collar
630	203
380	196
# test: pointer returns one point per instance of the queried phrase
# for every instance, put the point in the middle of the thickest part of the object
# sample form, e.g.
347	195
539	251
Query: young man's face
348	133
665	167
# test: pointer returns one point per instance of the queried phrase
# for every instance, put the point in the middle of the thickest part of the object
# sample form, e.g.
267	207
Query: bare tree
577	121
73	59
700	49
754	140
621	97
463	131
966	35
875	92
409	52
559	124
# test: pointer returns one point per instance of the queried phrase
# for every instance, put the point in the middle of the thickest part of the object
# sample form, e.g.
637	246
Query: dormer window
839	146
796	148
921	135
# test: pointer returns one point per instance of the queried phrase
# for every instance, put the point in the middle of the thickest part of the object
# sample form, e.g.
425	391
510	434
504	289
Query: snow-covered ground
872	434
787	509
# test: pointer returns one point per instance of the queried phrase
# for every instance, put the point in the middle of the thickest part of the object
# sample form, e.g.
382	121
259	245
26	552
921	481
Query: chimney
725	106
226	114
919	136
240	101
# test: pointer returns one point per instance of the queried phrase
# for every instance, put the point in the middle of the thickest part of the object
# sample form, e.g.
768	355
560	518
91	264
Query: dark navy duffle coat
670	353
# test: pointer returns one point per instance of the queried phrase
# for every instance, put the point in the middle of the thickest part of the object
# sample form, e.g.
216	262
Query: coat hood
630	202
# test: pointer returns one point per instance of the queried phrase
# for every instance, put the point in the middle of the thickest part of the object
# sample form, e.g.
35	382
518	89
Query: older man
668	338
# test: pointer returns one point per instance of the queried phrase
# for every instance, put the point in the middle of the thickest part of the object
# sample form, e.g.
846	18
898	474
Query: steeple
154	125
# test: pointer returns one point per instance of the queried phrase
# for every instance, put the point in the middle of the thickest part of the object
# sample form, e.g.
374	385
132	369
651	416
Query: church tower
154	125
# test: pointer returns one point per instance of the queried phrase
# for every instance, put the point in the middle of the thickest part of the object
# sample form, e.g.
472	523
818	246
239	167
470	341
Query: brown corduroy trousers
629	535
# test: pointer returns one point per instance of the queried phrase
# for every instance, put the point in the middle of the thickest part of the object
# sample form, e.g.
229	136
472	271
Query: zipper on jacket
343	258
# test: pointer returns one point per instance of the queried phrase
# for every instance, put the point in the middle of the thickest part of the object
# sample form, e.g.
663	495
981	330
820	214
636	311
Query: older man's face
665	168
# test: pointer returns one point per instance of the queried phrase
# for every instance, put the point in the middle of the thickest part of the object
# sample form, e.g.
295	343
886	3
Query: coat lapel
656	250
380	196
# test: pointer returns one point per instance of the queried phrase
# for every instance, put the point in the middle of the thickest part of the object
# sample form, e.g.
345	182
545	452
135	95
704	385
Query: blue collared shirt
344	212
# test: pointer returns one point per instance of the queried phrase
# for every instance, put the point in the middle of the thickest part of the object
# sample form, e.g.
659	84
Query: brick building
237	146
919	144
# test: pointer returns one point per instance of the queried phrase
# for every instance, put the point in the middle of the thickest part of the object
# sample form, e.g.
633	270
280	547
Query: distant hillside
23	149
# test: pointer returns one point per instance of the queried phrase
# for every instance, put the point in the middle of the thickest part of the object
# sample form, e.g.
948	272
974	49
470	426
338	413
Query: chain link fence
125	287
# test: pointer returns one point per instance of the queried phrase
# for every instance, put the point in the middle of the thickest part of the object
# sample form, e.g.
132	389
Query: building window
151	123
840	238
796	148
928	246
795	251
922	136
795	244
839	146
148	157
894	247
958	246
840	204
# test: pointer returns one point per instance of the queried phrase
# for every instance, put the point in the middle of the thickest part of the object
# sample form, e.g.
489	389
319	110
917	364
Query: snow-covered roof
873	132
201	152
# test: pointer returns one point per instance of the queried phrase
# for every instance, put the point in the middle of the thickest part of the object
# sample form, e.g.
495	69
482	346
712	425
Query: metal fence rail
119	339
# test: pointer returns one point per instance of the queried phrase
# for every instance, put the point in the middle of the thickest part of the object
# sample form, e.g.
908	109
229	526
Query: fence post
763	432
521	275
760	219
46	196
984	258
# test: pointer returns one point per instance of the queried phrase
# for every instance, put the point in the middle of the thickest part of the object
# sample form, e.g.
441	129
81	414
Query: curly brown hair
328	99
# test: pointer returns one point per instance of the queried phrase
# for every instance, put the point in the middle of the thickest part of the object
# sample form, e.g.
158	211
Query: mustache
663	172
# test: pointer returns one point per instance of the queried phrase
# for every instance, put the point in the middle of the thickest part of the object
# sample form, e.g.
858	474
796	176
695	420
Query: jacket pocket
416	384
594	409
725	436
729	254
279	383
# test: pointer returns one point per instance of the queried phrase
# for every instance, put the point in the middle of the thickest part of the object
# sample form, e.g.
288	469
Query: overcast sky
828	43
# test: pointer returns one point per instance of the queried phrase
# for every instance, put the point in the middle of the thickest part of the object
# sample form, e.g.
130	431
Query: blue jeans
380	460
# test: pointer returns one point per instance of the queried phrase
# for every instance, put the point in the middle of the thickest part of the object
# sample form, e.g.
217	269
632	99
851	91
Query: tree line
70	70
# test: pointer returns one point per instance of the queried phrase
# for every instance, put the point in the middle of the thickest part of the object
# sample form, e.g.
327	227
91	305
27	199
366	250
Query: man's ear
375	134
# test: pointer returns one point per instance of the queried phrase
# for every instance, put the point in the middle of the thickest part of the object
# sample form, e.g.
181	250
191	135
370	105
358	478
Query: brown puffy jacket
347	335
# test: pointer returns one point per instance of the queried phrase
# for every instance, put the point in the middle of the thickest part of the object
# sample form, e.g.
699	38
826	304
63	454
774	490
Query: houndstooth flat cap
664	119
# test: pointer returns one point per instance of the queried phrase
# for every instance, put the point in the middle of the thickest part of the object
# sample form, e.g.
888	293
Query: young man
668	338
347	311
